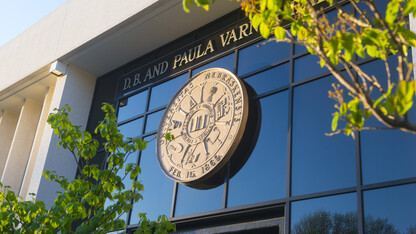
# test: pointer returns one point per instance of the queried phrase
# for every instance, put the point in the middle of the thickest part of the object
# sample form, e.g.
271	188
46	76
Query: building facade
136	55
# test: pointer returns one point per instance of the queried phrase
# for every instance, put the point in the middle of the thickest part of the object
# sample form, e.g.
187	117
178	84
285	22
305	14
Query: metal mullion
264	68
358	175
272	92
379	185
174	194
131	119
236	53
227	177
324	193
140	153
289	142
226	184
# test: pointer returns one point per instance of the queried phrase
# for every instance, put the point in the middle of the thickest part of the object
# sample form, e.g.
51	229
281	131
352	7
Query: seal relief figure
207	118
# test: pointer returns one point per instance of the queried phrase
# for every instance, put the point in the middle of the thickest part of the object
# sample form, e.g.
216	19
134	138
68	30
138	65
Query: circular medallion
207	118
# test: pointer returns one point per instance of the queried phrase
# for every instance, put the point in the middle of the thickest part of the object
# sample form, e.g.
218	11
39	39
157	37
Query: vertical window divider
174	194
226	184
358	168
289	143
358	173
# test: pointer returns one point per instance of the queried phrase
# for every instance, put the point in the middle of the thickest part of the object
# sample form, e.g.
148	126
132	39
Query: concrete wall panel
8	122
21	145
75	89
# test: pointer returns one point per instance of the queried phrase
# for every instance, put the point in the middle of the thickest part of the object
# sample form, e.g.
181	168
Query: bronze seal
207	117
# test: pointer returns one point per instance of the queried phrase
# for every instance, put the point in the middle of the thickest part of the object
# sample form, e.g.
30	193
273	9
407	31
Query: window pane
270	79
335	214
134	105
131	158
158	189
255	57
387	155
226	62
153	121
300	49
390	210
163	93
263	177
319	162
132	129
306	67
192	201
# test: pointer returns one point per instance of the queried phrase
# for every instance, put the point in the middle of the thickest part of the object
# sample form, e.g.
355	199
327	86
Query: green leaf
359	49
257	19
264	30
322	62
273	5
378	101
408	35
280	33
203	3
405	94
347	131
391	11
263	4
335	121
409	7
141	144
343	109
372	50
186	4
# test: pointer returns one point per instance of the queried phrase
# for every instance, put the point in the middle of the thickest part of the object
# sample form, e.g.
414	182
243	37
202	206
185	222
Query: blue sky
18	15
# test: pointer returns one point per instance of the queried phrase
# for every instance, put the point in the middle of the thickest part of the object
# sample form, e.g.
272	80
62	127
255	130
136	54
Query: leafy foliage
338	42
81	207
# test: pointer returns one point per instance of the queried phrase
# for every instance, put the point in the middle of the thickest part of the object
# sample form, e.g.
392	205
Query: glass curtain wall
335	183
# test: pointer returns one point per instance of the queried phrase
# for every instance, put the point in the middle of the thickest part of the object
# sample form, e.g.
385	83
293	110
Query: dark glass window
270	79
334	214
300	49
132	129
153	121
387	155
319	162
226	62
163	93
390	210
263	177
131	158
158	189
257	56
307	66
132	106
191	201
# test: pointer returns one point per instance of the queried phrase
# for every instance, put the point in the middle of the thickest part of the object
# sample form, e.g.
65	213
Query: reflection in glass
387	155
270	79
334	214
306	67
157	195
132	129
300	49
130	158
226	62
395	206
132	106
319	162
153	121
163	93
192	201
257	56
263	177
